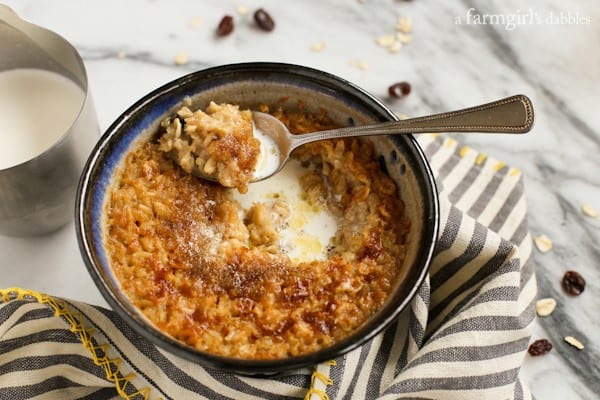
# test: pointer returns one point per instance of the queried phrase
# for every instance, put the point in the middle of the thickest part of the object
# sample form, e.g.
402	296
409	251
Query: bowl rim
246	366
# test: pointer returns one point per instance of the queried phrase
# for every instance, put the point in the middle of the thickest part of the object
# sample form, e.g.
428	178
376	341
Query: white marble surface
130	49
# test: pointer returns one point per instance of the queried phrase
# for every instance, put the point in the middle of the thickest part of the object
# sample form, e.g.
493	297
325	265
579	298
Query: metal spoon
510	115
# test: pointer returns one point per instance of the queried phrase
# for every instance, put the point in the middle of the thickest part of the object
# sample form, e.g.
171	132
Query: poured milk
310	228
36	108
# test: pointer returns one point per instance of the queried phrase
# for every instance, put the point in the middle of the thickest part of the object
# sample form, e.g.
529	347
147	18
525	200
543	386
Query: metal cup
37	196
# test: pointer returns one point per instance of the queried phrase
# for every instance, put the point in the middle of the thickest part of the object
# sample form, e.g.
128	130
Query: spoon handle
510	115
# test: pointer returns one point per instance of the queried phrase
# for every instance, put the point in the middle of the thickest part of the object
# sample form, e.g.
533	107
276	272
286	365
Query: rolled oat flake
545	307
543	243
589	210
574	342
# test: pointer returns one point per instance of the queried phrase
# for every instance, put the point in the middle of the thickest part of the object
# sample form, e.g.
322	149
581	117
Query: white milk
310	228
36	108
268	159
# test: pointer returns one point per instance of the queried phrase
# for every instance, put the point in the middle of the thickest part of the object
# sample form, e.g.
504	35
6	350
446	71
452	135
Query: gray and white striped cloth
464	335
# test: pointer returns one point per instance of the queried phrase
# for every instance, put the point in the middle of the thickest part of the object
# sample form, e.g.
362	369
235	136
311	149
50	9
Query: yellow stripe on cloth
86	335
319	382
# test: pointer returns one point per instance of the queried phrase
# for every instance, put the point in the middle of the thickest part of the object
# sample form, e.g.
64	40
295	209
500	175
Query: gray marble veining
453	61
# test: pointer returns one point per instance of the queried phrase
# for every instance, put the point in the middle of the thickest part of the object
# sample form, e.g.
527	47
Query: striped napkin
464	335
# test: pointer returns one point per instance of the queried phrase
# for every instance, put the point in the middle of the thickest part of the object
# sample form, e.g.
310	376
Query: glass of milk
48	127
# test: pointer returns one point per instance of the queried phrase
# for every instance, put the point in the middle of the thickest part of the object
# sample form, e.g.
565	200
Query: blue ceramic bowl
250	85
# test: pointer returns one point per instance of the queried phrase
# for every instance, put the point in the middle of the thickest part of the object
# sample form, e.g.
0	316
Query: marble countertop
462	53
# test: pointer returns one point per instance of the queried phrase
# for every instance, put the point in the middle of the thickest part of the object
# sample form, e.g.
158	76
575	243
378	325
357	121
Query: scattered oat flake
404	25
403	38
195	22
360	64
182	58
395	47
543	243
385	40
242	9
121	55
318	47
545	307
574	342
588	210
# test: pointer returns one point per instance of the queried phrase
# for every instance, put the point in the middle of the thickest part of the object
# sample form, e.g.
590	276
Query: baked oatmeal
217	142
212	274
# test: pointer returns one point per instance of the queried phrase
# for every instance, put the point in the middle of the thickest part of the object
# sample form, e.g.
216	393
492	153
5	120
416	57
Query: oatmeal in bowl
260	277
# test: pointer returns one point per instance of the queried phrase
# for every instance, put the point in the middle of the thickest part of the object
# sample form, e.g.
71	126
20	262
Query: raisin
225	26
539	347
399	89
573	283
264	20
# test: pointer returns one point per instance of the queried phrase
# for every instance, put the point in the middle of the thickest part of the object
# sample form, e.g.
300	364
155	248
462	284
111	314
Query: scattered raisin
399	89
264	20
573	283
539	347
225	26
